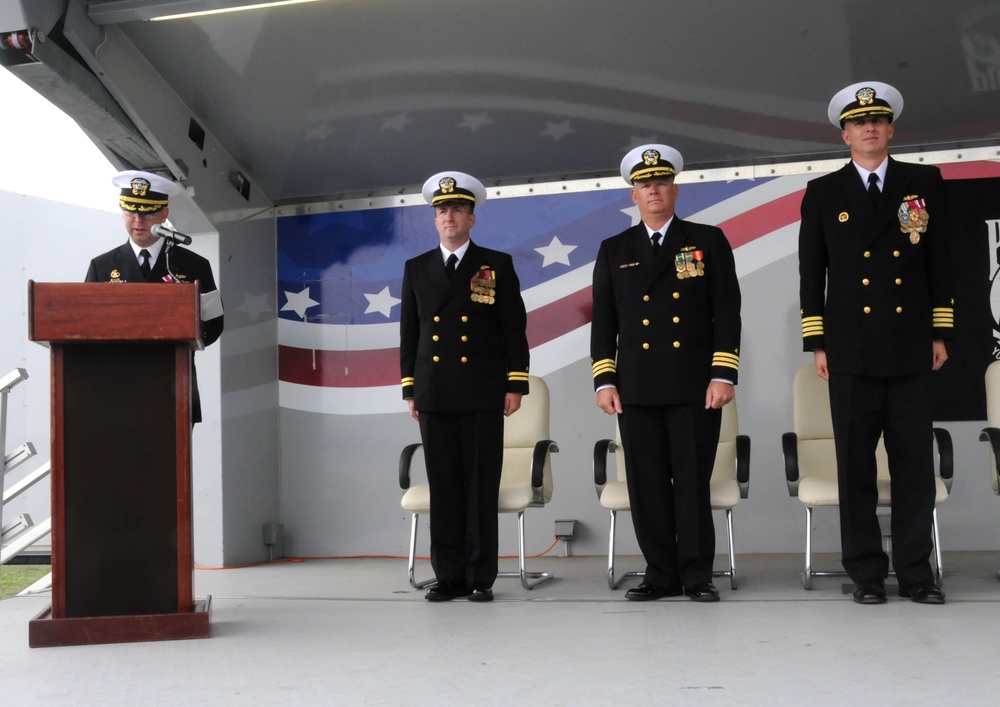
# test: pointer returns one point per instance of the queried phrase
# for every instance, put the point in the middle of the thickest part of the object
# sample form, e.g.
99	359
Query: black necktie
449	267
656	243
144	265
874	193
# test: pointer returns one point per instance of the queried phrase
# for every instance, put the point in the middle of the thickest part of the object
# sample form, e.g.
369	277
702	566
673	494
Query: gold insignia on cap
865	96
447	185
140	186
651	157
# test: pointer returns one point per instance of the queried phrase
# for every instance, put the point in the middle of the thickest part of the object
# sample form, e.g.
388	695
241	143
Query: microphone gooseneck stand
168	245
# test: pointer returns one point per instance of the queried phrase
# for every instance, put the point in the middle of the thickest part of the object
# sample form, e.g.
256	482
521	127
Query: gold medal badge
699	262
913	217
689	263
680	263
116	276
483	286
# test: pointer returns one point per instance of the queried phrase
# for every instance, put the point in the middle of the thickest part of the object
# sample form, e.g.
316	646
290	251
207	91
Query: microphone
169	234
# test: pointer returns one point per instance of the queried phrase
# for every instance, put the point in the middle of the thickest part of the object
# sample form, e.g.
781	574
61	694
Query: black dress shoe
481	594
705	591
870	591
649	592
923	593
446	591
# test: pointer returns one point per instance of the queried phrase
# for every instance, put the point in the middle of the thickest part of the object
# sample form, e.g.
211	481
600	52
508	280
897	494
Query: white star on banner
557	131
396	123
382	303
254	305
555	252
633	213
299	302
475	121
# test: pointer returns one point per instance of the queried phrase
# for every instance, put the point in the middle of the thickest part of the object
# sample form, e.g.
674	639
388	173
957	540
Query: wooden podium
122	560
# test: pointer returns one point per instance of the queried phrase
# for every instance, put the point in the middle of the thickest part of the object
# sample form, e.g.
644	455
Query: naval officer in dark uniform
144	200
876	297
464	364
665	346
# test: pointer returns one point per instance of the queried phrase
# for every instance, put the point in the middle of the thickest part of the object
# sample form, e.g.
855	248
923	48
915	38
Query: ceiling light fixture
238	8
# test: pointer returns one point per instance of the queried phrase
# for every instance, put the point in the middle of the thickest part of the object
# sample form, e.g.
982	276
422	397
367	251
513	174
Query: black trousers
899	409
669	455
463	453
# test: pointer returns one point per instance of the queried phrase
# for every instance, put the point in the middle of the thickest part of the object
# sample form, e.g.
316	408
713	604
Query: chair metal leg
522	573
411	566
734	580
613	582
939	561
807	575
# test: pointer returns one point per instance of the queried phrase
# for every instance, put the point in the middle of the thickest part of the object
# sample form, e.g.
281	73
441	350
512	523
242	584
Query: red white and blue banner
339	276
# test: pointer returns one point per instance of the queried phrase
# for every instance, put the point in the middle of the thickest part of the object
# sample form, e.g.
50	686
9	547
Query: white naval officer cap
648	161
863	99
144	192
454	186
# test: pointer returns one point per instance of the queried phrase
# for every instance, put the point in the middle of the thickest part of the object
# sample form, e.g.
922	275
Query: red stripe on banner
970	170
338	369
380	367
560	317
761	220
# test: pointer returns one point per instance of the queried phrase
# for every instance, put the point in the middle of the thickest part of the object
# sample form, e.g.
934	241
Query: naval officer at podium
144	201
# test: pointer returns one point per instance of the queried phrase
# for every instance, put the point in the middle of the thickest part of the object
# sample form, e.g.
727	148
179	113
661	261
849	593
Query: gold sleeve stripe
723	358
517	376
812	326
944	317
407	381
605	365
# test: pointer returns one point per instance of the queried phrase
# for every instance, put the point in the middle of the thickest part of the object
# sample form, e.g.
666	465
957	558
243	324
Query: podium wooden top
71	312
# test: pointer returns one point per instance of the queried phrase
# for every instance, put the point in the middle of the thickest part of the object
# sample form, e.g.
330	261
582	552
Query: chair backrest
993	411
813	424
520	433
725	456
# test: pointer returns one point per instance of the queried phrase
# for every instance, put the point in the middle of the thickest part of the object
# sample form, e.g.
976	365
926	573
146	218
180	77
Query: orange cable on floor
352	557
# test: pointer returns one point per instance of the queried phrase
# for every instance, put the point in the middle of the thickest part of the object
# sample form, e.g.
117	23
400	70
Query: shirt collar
154	250
662	231
460	252
880	171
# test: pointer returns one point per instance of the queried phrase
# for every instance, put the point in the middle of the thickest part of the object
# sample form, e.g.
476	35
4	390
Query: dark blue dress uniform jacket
457	354
872	298
120	265
658	338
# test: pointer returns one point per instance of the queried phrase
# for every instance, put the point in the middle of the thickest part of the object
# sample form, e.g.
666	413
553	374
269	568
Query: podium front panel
120	479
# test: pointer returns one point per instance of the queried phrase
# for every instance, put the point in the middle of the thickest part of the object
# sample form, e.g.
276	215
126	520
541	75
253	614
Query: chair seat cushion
725	493
815	492
614	496
513	498
818	491
417	499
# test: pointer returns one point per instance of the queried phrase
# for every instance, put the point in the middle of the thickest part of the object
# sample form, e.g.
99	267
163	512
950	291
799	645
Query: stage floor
353	632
